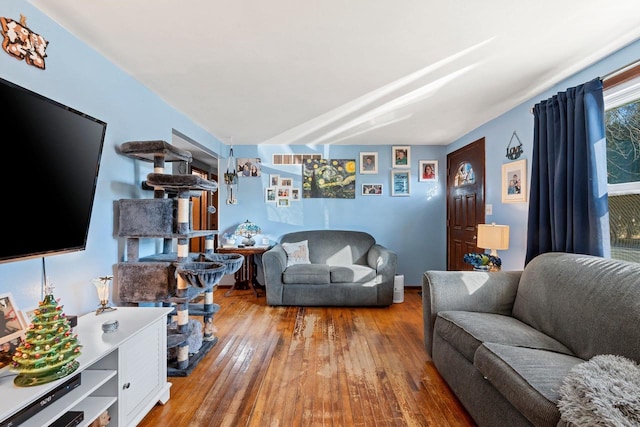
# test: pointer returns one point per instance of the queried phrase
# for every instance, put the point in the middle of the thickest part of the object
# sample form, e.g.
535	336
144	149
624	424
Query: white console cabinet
124	372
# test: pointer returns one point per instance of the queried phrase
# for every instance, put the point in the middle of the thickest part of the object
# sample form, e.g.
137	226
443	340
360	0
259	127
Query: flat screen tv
50	159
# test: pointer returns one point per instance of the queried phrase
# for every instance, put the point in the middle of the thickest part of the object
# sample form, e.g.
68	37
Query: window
622	126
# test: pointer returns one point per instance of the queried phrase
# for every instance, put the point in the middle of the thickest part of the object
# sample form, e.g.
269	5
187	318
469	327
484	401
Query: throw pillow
297	253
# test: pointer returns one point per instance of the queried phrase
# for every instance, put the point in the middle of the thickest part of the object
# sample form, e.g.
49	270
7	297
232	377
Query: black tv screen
51	156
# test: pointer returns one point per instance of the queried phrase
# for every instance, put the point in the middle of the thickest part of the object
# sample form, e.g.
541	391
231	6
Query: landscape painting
329	178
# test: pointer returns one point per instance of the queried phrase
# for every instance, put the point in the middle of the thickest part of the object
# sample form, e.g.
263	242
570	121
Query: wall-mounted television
50	159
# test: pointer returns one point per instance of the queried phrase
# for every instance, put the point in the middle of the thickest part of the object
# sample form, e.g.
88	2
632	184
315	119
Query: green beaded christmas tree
50	348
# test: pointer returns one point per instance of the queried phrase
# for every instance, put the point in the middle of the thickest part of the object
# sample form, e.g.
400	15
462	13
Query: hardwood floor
312	366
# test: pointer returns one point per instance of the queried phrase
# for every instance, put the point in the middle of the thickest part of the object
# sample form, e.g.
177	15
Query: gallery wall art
22	43
329	178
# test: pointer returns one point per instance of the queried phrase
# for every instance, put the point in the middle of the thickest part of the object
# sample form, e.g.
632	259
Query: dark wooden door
202	217
465	202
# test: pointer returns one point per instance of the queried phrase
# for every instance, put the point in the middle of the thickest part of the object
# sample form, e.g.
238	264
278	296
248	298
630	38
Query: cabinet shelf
105	364
92	407
91	380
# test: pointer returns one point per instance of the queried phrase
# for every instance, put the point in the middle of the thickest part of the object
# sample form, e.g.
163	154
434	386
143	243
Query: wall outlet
488	209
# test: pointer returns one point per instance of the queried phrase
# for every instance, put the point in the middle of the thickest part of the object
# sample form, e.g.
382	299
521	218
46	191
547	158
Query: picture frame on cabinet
514	182
400	183
12	322
428	170
368	162
401	156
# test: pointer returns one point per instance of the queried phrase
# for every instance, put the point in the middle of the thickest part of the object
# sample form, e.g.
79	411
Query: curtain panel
568	207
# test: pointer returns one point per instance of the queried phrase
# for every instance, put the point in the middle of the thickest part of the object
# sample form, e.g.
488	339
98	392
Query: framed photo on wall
286	182
400	183
401	156
371	189
249	167
368	162
270	194
428	170
514	182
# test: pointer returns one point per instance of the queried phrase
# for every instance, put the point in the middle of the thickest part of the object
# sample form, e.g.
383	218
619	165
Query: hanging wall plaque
514	150
22	43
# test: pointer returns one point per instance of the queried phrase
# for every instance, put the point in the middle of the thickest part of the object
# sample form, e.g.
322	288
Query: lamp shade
248	229
494	237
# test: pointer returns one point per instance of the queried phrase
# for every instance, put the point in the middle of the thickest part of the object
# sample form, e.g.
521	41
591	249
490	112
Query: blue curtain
568	207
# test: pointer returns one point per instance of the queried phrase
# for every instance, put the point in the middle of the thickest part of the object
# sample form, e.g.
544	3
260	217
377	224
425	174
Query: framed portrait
284	192
368	162
250	167
514	182
286	182
284	202
400	183
12	322
295	194
371	189
428	170
270	194
274	180
401	156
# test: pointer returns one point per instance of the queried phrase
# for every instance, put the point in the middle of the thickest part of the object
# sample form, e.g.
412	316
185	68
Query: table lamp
247	230
102	286
493	237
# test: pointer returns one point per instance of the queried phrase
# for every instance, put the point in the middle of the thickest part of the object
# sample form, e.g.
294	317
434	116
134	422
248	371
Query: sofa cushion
297	252
528	378
580	300
313	274
352	274
466	331
334	247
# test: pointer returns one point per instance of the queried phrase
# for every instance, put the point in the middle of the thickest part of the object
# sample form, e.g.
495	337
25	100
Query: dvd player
42	402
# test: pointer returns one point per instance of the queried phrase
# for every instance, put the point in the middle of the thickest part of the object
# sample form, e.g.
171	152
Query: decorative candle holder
102	286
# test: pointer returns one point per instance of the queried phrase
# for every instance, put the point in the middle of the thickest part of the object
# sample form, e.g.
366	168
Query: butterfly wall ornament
22	43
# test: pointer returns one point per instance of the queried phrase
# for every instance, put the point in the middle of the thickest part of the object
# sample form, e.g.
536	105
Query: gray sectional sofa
505	341
344	268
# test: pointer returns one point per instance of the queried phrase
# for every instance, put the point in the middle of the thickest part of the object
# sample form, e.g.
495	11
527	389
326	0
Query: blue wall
413	226
497	134
77	76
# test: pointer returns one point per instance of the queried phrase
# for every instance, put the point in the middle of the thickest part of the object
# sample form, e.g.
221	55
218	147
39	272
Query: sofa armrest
274	262
384	261
466	291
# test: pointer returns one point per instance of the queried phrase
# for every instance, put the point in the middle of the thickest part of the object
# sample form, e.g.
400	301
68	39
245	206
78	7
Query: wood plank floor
312	366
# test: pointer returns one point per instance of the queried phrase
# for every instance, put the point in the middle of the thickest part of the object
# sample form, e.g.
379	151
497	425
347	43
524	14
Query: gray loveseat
346	268
505	341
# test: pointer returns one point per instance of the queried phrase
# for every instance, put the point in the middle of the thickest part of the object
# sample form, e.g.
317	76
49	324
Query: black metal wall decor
514	150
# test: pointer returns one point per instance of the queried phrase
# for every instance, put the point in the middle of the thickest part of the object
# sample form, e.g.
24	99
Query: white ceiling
368	72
